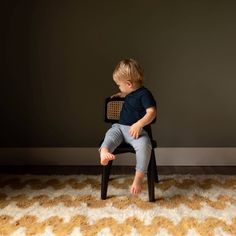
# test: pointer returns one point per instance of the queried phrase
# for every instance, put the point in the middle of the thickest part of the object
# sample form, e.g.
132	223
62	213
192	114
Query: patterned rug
70	205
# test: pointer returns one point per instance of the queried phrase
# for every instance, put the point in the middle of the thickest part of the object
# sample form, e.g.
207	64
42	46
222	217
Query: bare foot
106	156
136	187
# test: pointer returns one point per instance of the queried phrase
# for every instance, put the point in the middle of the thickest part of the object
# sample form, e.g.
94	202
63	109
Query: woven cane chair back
113	109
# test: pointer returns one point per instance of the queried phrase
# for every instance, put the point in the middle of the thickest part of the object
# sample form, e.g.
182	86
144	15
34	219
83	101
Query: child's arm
136	128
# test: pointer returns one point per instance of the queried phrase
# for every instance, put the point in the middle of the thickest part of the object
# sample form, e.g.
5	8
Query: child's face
124	86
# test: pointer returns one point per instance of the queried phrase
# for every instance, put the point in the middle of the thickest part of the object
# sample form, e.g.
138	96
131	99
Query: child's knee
145	147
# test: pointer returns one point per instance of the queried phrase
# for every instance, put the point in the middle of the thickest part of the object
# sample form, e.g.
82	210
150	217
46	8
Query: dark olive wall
57	59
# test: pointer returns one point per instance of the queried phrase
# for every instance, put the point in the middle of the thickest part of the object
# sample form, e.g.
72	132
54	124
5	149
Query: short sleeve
148	100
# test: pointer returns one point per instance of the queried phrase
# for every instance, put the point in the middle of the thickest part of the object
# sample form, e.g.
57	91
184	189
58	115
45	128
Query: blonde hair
129	70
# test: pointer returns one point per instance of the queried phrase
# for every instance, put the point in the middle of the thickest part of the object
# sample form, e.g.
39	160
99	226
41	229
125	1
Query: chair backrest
113	108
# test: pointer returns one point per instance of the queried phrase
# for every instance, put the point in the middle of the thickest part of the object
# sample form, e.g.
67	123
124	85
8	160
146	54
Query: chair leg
151	178
155	168
105	179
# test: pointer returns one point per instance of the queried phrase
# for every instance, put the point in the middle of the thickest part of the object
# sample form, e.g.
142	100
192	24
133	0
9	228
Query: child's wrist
140	124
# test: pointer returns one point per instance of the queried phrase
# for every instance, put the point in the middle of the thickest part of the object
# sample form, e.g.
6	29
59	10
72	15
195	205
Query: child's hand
118	95
135	130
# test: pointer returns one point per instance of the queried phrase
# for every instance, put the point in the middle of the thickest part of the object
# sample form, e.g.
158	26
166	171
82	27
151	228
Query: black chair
113	107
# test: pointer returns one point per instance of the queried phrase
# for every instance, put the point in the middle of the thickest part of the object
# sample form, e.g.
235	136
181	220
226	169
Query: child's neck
135	87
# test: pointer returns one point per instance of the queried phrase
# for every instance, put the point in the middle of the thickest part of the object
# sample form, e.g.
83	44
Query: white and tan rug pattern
70	205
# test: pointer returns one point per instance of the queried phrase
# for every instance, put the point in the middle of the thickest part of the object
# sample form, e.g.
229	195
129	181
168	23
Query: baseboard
90	156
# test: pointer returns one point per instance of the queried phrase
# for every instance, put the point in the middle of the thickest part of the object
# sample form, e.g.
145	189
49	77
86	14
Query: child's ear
129	83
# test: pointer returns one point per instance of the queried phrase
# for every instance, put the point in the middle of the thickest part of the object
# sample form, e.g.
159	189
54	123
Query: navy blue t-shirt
135	105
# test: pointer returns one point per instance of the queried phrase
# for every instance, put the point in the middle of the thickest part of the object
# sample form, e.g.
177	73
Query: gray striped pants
142	146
